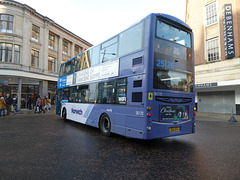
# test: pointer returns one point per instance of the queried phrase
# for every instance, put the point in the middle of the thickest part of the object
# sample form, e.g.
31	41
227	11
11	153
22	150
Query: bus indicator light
194	108
150	96
149	108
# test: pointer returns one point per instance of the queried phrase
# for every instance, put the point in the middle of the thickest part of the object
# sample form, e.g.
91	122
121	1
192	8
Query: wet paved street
45	147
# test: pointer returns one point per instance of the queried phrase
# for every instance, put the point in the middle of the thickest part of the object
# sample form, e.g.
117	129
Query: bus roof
172	18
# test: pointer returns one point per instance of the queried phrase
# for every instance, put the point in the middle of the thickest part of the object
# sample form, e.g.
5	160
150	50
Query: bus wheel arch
105	124
64	114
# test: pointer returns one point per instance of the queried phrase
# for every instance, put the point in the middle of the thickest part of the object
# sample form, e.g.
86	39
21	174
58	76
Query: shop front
30	90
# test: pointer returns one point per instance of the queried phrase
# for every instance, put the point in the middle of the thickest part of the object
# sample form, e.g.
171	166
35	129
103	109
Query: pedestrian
9	102
2	106
40	104
36	109
46	102
15	104
30	103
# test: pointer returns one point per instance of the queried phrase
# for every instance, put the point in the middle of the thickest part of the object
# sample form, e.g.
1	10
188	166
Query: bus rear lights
194	114
149	108
149	128
194	108
149	114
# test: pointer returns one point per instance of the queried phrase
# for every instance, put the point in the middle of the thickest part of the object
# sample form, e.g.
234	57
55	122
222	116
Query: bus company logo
167	109
77	111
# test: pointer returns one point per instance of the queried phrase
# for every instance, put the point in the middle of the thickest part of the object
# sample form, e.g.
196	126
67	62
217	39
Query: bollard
232	118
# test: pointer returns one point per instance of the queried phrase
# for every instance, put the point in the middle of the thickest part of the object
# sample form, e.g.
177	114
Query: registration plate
174	129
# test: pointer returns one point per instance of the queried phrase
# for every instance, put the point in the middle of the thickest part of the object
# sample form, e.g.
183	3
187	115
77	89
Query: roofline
44	18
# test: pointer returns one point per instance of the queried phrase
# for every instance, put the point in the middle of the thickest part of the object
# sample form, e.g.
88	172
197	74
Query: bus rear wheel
64	114
105	125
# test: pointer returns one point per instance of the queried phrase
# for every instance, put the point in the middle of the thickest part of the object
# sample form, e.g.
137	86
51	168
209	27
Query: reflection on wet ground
48	148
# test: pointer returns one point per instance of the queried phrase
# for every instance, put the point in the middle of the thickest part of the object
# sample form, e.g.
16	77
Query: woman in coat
2	106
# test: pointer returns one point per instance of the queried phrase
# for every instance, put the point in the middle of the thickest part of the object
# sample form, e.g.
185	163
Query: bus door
58	101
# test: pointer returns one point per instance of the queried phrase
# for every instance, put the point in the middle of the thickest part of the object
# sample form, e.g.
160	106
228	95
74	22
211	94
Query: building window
16	54
213	50
6	23
35	33
5	52
211	14
35	58
76	50
51	41
65	47
51	64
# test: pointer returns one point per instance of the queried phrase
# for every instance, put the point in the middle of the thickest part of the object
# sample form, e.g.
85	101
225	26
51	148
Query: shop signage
3	82
228	31
207	85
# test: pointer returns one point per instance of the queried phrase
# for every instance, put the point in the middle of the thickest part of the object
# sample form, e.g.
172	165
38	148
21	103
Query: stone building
216	27
31	48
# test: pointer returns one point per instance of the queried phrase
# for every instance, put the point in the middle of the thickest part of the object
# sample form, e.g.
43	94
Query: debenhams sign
228	31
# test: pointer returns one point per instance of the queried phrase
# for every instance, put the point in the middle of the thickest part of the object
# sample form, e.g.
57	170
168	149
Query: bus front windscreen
173	62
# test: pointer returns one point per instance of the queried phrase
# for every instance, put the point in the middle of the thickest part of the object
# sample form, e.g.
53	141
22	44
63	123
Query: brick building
216	27
31	48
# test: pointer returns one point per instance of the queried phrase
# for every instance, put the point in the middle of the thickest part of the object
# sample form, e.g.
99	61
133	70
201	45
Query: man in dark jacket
30	103
9	102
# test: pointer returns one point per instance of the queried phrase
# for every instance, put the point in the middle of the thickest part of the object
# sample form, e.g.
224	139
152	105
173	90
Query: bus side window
73	94
66	94
107	92
121	91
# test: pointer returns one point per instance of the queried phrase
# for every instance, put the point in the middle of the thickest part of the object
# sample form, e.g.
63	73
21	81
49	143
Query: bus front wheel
105	125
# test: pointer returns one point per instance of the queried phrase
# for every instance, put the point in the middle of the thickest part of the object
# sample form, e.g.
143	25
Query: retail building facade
32	46
216	27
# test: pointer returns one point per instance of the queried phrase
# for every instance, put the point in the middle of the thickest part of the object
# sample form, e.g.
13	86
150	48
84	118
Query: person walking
30	102
36	109
46	102
15	104
2	106
9	102
40	104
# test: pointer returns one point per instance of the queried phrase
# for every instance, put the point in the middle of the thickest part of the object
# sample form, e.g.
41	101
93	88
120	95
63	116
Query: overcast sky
97	20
